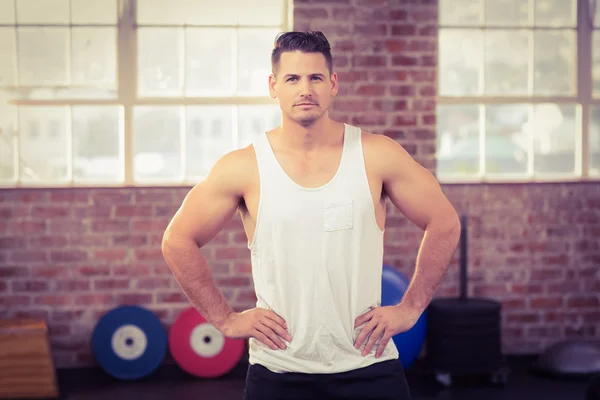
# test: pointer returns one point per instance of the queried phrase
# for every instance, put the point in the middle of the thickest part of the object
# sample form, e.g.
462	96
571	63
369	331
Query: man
311	194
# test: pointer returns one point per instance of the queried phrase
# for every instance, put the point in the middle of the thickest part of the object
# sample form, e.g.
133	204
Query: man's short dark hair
306	42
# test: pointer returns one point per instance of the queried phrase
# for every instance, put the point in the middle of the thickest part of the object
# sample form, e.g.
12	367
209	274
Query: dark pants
381	381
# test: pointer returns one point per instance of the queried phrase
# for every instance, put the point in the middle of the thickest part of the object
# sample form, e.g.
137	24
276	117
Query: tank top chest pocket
338	215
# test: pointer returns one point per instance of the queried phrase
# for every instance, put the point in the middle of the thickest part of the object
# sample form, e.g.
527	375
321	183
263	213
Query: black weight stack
464	334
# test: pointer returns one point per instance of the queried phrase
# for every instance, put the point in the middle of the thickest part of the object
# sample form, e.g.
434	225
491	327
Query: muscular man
311	194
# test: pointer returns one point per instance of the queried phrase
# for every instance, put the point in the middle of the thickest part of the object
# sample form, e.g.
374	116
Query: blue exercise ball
409	343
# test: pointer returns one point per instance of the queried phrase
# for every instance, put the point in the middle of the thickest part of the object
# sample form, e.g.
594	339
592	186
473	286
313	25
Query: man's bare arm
417	194
203	213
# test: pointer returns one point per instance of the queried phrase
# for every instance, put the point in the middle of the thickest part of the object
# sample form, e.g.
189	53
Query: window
518	90
131	92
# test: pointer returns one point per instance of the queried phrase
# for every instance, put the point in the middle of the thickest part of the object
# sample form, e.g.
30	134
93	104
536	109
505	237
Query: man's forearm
193	274
435	253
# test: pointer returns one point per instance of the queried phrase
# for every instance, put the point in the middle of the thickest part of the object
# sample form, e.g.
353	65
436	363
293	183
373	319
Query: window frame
583	101
127	99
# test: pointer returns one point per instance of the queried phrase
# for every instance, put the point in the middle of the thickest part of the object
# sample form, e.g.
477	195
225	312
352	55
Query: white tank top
317	257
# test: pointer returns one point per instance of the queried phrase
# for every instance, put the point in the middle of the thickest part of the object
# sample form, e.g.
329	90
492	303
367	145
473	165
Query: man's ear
272	83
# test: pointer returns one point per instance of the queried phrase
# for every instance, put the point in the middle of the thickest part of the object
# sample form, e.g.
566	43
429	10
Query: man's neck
322	133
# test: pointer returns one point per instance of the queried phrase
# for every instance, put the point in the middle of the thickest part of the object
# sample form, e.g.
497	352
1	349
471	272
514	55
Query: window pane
209	61
8	132
506	59
256	120
7	11
209	136
97	143
43	12
213	12
460	54
561	13
157	143
555	56
554	131
94	12
158	12
596	62
458	142
460	12
594	141
260	12
506	13
159	60
8	53
506	142
254	60
43	143
94	56
43	56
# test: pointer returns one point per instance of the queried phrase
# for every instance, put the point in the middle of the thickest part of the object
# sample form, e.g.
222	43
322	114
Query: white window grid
127	97
583	99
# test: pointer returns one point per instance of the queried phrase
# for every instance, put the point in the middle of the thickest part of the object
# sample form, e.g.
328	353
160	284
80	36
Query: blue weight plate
129	342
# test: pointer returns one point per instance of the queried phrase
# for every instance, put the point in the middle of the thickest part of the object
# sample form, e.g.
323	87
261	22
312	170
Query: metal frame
583	99
127	98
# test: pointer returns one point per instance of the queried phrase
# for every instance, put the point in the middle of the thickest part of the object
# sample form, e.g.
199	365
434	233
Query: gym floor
169	381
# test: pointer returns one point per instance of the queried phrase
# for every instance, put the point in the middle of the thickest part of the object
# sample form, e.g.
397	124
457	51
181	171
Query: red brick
50	212
583	302
67	316
545	302
171	297
405	120
231	253
111	197
29	286
239	281
89	240
96	299
144	210
110	255
69	197
44	271
405	61
72	285
149	225
403	90
152	283
28	256
14	301
135	298
68	256
371	90
403	30
27	227
55	241
312	13
152	254
53	300
371	29
113	225
93	211
103	284
154	196
129	240
10	242
91	270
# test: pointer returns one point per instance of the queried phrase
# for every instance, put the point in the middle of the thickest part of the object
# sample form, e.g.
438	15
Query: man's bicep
206	209
415	191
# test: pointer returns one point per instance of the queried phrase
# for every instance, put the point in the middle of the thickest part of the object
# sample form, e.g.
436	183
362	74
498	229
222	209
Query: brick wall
70	255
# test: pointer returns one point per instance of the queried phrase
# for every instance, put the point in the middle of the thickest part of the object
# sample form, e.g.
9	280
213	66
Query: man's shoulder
384	154
235	168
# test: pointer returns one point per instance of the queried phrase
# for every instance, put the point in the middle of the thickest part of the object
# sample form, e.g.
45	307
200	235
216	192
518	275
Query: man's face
303	86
